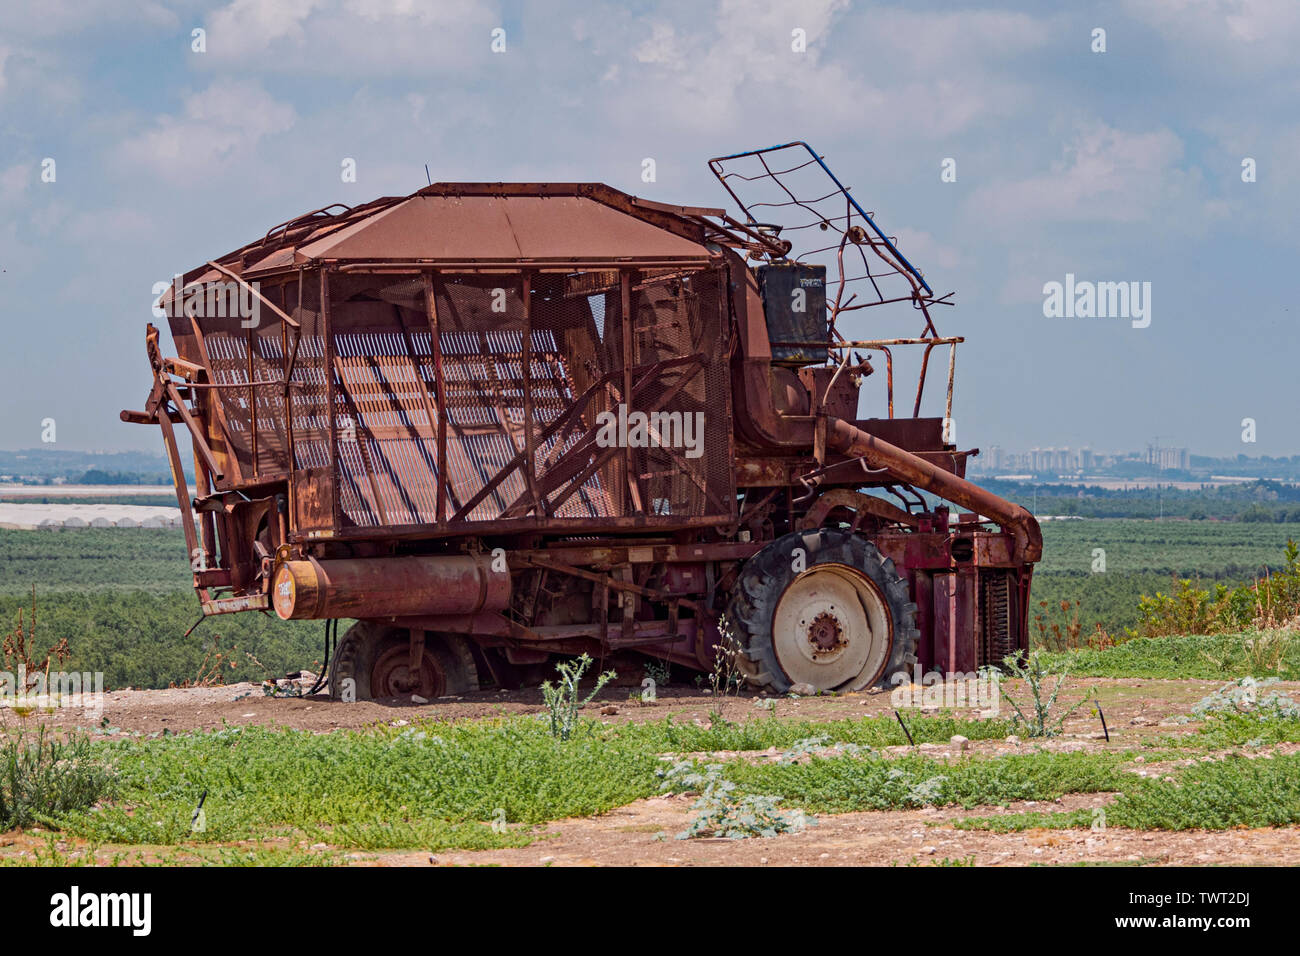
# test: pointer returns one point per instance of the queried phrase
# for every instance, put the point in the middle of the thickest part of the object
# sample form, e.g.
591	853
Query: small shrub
42	775
1188	610
1199	657
804	747
1219	795
1270	604
18	650
660	672
721	811
1067	634
845	784
563	698
1243	697
725	679
1267	650
1044	720
212	668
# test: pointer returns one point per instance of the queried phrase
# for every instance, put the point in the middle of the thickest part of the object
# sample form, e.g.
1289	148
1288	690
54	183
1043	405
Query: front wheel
821	608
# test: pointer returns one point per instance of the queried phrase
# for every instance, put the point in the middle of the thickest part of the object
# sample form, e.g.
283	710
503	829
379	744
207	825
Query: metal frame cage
525	396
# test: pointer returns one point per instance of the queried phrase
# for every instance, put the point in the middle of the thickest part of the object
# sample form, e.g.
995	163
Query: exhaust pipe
388	587
853	442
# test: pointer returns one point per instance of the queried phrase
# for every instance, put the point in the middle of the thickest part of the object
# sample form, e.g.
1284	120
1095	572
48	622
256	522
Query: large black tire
448	662
844	560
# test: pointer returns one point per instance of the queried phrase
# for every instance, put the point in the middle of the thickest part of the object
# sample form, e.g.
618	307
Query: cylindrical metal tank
389	587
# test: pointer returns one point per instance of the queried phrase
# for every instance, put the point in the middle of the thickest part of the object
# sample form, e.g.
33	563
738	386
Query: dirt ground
1131	706
643	833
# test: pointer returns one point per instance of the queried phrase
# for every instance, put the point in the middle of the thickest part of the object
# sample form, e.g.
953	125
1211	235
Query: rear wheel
373	661
822	608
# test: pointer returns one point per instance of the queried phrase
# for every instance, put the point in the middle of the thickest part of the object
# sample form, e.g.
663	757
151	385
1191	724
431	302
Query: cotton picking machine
495	422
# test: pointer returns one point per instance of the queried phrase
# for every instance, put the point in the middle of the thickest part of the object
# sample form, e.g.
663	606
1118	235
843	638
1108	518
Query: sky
1123	165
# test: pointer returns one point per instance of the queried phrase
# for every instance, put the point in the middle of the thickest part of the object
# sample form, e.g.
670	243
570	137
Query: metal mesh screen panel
557	405
243	349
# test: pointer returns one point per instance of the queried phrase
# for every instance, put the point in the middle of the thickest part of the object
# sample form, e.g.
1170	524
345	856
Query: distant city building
1085	464
1167	459
1073	461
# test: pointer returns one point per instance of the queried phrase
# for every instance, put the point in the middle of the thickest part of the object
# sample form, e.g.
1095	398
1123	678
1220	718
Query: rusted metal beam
631	496
526	369
435	348
501	266
853	442
279	313
200	440
611	582
331	388
182	488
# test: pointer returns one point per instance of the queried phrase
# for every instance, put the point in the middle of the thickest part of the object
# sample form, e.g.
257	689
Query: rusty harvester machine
494	422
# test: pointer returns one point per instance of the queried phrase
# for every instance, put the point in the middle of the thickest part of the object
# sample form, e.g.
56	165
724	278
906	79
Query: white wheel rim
832	629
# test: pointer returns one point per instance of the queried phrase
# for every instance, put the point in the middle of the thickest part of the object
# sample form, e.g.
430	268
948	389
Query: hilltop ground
859	817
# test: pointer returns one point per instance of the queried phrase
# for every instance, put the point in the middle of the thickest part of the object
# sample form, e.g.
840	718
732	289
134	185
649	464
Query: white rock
957	740
417	699
803	689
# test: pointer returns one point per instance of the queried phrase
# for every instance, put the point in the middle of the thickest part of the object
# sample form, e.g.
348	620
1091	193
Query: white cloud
662	48
926	251
715	70
1105	175
1255	35
351	37
247	27
115	223
387	11
61	18
950	43
217	124
14	182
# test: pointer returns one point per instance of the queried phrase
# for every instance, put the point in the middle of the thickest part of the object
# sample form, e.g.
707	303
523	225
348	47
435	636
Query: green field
1145	556
122	597
1212	549
435	786
94	560
165	501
